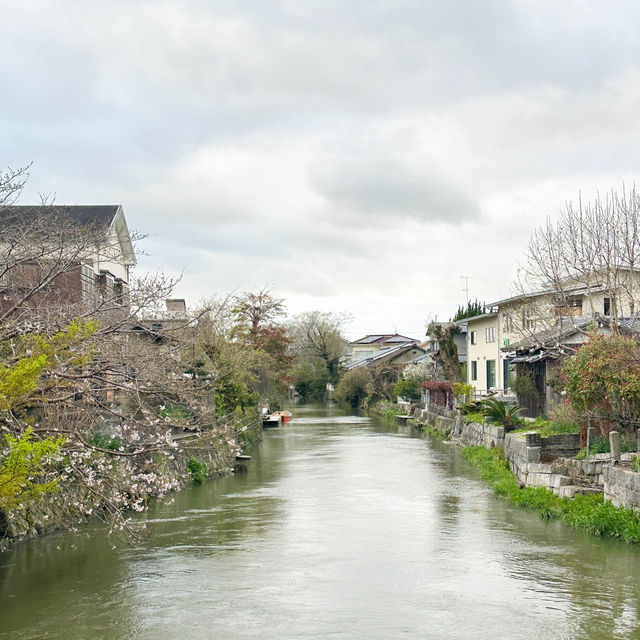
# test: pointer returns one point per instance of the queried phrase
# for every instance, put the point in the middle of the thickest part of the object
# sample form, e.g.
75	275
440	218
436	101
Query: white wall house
535	315
487	364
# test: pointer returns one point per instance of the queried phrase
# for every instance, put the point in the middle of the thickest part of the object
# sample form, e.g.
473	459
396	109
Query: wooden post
614	441
591	435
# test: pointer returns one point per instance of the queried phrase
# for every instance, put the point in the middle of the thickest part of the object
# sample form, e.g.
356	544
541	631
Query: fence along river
341	527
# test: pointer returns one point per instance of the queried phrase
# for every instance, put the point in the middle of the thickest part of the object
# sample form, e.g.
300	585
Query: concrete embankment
538	461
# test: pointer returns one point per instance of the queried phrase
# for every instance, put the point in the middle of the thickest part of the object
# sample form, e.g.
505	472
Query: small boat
285	415
271	421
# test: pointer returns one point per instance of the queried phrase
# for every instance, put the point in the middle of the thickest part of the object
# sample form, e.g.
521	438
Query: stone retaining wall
543	462
536	462
472	434
622	486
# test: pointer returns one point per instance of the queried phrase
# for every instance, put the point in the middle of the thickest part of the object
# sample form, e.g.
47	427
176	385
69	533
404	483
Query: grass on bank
590	513
389	414
468	418
548	428
432	431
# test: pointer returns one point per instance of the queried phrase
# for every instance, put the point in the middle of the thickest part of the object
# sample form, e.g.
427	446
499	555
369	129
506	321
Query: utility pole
466	286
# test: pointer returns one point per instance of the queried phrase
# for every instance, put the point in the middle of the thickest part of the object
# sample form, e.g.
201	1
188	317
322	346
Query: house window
507	324
473	337
490	334
527	319
491	374
607	306
474	370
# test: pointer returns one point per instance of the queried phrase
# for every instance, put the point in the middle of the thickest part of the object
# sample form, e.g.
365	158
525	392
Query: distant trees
354	387
258	321
317	346
473	308
242	350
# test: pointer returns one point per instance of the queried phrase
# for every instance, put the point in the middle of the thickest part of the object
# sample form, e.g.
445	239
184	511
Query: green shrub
27	469
174	411
474	406
556	428
601	444
435	433
461	389
389	414
198	470
473	417
409	389
506	414
352	387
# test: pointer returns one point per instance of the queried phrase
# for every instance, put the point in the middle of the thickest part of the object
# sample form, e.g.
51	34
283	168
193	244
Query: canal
340	527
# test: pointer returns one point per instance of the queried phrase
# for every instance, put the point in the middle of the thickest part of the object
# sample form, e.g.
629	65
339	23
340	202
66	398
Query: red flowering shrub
440	394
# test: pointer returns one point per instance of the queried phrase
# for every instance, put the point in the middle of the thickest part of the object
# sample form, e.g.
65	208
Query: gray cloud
347	135
368	184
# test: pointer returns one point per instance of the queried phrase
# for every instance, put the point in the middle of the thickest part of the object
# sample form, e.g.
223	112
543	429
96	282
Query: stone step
572	490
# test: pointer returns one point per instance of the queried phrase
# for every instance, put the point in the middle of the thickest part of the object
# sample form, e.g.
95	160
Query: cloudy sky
356	156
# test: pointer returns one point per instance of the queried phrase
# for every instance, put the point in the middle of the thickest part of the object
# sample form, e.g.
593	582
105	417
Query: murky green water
340	528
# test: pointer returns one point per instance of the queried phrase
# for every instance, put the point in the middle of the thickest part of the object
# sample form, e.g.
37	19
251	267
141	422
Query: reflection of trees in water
449	509
77	581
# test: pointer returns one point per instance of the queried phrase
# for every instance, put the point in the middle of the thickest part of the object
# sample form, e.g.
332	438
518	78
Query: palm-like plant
504	413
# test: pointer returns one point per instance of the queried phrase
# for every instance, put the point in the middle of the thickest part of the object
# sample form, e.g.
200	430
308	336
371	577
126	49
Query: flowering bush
440	394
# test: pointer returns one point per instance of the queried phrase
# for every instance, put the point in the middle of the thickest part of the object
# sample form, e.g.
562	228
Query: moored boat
271	421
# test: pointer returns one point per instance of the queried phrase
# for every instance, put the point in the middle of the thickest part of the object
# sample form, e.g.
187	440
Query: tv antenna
466	286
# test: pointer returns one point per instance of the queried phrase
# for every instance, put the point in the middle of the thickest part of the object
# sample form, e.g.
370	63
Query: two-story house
487	366
60	255
537	317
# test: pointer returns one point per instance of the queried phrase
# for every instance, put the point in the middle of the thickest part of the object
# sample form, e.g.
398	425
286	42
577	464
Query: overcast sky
356	156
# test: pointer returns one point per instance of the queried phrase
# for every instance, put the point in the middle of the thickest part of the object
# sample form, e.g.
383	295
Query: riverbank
587	512
585	494
131	487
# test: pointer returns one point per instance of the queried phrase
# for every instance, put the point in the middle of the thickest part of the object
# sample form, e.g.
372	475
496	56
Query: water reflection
340	527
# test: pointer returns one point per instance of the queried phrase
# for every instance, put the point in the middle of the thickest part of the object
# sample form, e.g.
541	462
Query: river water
340	527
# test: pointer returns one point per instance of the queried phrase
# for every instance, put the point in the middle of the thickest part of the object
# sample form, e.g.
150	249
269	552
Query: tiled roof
384	337
100	215
382	354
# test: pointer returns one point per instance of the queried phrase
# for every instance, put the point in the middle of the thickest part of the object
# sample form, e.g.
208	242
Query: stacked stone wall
622	486
547	462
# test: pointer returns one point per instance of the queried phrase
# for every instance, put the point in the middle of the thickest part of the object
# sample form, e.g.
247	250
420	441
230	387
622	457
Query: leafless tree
116	388
589	248
318	334
12	182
